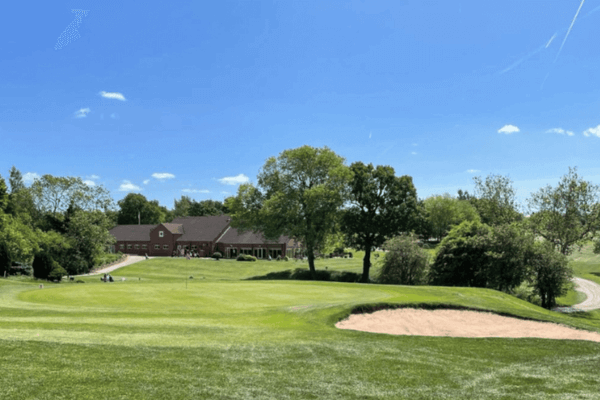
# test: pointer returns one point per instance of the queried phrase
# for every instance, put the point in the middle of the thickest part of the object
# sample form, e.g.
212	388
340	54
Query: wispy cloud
234	180
370	134
508	129
89	182
569	30
161	176
113	95
114	116
472	171
414	153
29	177
147	181
82	112
560	131
71	33
224	192
195	191
94	177
592	132
127	186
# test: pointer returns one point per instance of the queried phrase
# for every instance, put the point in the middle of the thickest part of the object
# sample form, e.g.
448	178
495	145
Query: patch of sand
454	323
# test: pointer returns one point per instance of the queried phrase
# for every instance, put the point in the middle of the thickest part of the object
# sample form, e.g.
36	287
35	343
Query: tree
20	241
299	194
550	273
445	211
381	206
89	233
3	194
15	180
54	194
460	258
206	207
150	212
494	200
405	263
568	214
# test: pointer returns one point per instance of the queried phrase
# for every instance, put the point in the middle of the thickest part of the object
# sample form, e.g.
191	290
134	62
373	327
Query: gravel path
128	261
591	290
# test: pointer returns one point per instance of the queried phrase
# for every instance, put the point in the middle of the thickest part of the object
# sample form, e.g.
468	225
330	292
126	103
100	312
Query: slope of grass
151	337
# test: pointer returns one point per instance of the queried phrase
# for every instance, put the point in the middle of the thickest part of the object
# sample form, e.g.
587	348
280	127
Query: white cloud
89	182
127	186
147	181
112	95
94	177
195	191
82	112
560	131
414	153
162	175
592	131
223	192
114	116
472	171
29	177
234	180
508	129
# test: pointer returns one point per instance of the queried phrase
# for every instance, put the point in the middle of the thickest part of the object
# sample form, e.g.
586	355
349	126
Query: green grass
223	338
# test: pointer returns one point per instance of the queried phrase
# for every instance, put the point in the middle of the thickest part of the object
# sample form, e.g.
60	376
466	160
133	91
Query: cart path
591	290
128	261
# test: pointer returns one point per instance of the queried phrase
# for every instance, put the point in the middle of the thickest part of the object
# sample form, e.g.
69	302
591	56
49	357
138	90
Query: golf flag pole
139	219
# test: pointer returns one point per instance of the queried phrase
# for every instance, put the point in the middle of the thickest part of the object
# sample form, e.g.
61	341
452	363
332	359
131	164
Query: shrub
473	254
245	257
304	275
286	258
551	273
57	272
278	258
350	254
216	255
345	276
405	263
42	265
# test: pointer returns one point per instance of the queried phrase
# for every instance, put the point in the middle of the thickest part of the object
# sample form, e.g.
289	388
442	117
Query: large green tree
54	194
566	215
150	212
495	200
3	194
443	212
299	194
550	273
381	205
19	241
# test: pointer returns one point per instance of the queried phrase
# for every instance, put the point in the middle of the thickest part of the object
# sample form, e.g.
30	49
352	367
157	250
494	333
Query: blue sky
171	98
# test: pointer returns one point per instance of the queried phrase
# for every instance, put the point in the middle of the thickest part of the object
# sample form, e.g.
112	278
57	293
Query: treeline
312	195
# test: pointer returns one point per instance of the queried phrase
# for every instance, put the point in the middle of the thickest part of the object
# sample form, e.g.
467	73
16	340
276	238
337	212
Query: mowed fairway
222	337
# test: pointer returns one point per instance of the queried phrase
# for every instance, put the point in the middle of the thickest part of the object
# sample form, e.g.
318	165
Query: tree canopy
568	214
381	205
299	194
443	212
150	212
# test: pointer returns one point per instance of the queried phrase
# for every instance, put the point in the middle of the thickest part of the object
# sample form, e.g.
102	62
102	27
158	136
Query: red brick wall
168	239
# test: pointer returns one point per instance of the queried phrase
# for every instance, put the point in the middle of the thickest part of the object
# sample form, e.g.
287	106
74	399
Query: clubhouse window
161	233
144	246
137	246
128	246
166	246
157	246
121	246
194	247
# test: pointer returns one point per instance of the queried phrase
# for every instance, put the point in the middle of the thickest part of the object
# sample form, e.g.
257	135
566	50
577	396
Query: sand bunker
454	323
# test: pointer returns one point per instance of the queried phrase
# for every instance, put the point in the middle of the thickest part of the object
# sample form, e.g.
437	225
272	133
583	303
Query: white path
128	261
591	290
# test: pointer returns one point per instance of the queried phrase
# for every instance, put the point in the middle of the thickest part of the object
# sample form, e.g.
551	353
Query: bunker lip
433	320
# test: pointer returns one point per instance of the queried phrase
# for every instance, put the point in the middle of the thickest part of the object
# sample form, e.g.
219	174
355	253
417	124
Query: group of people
107	278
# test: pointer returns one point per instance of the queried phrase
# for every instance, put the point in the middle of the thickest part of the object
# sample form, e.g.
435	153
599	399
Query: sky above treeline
190	98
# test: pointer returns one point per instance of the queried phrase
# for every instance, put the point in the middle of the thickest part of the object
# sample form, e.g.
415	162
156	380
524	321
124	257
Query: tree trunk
311	262
366	264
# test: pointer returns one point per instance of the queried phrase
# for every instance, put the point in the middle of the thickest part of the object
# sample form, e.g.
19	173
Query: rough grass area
160	334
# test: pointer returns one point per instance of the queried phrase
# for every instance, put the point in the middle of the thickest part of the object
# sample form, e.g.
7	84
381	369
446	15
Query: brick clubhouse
202	235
